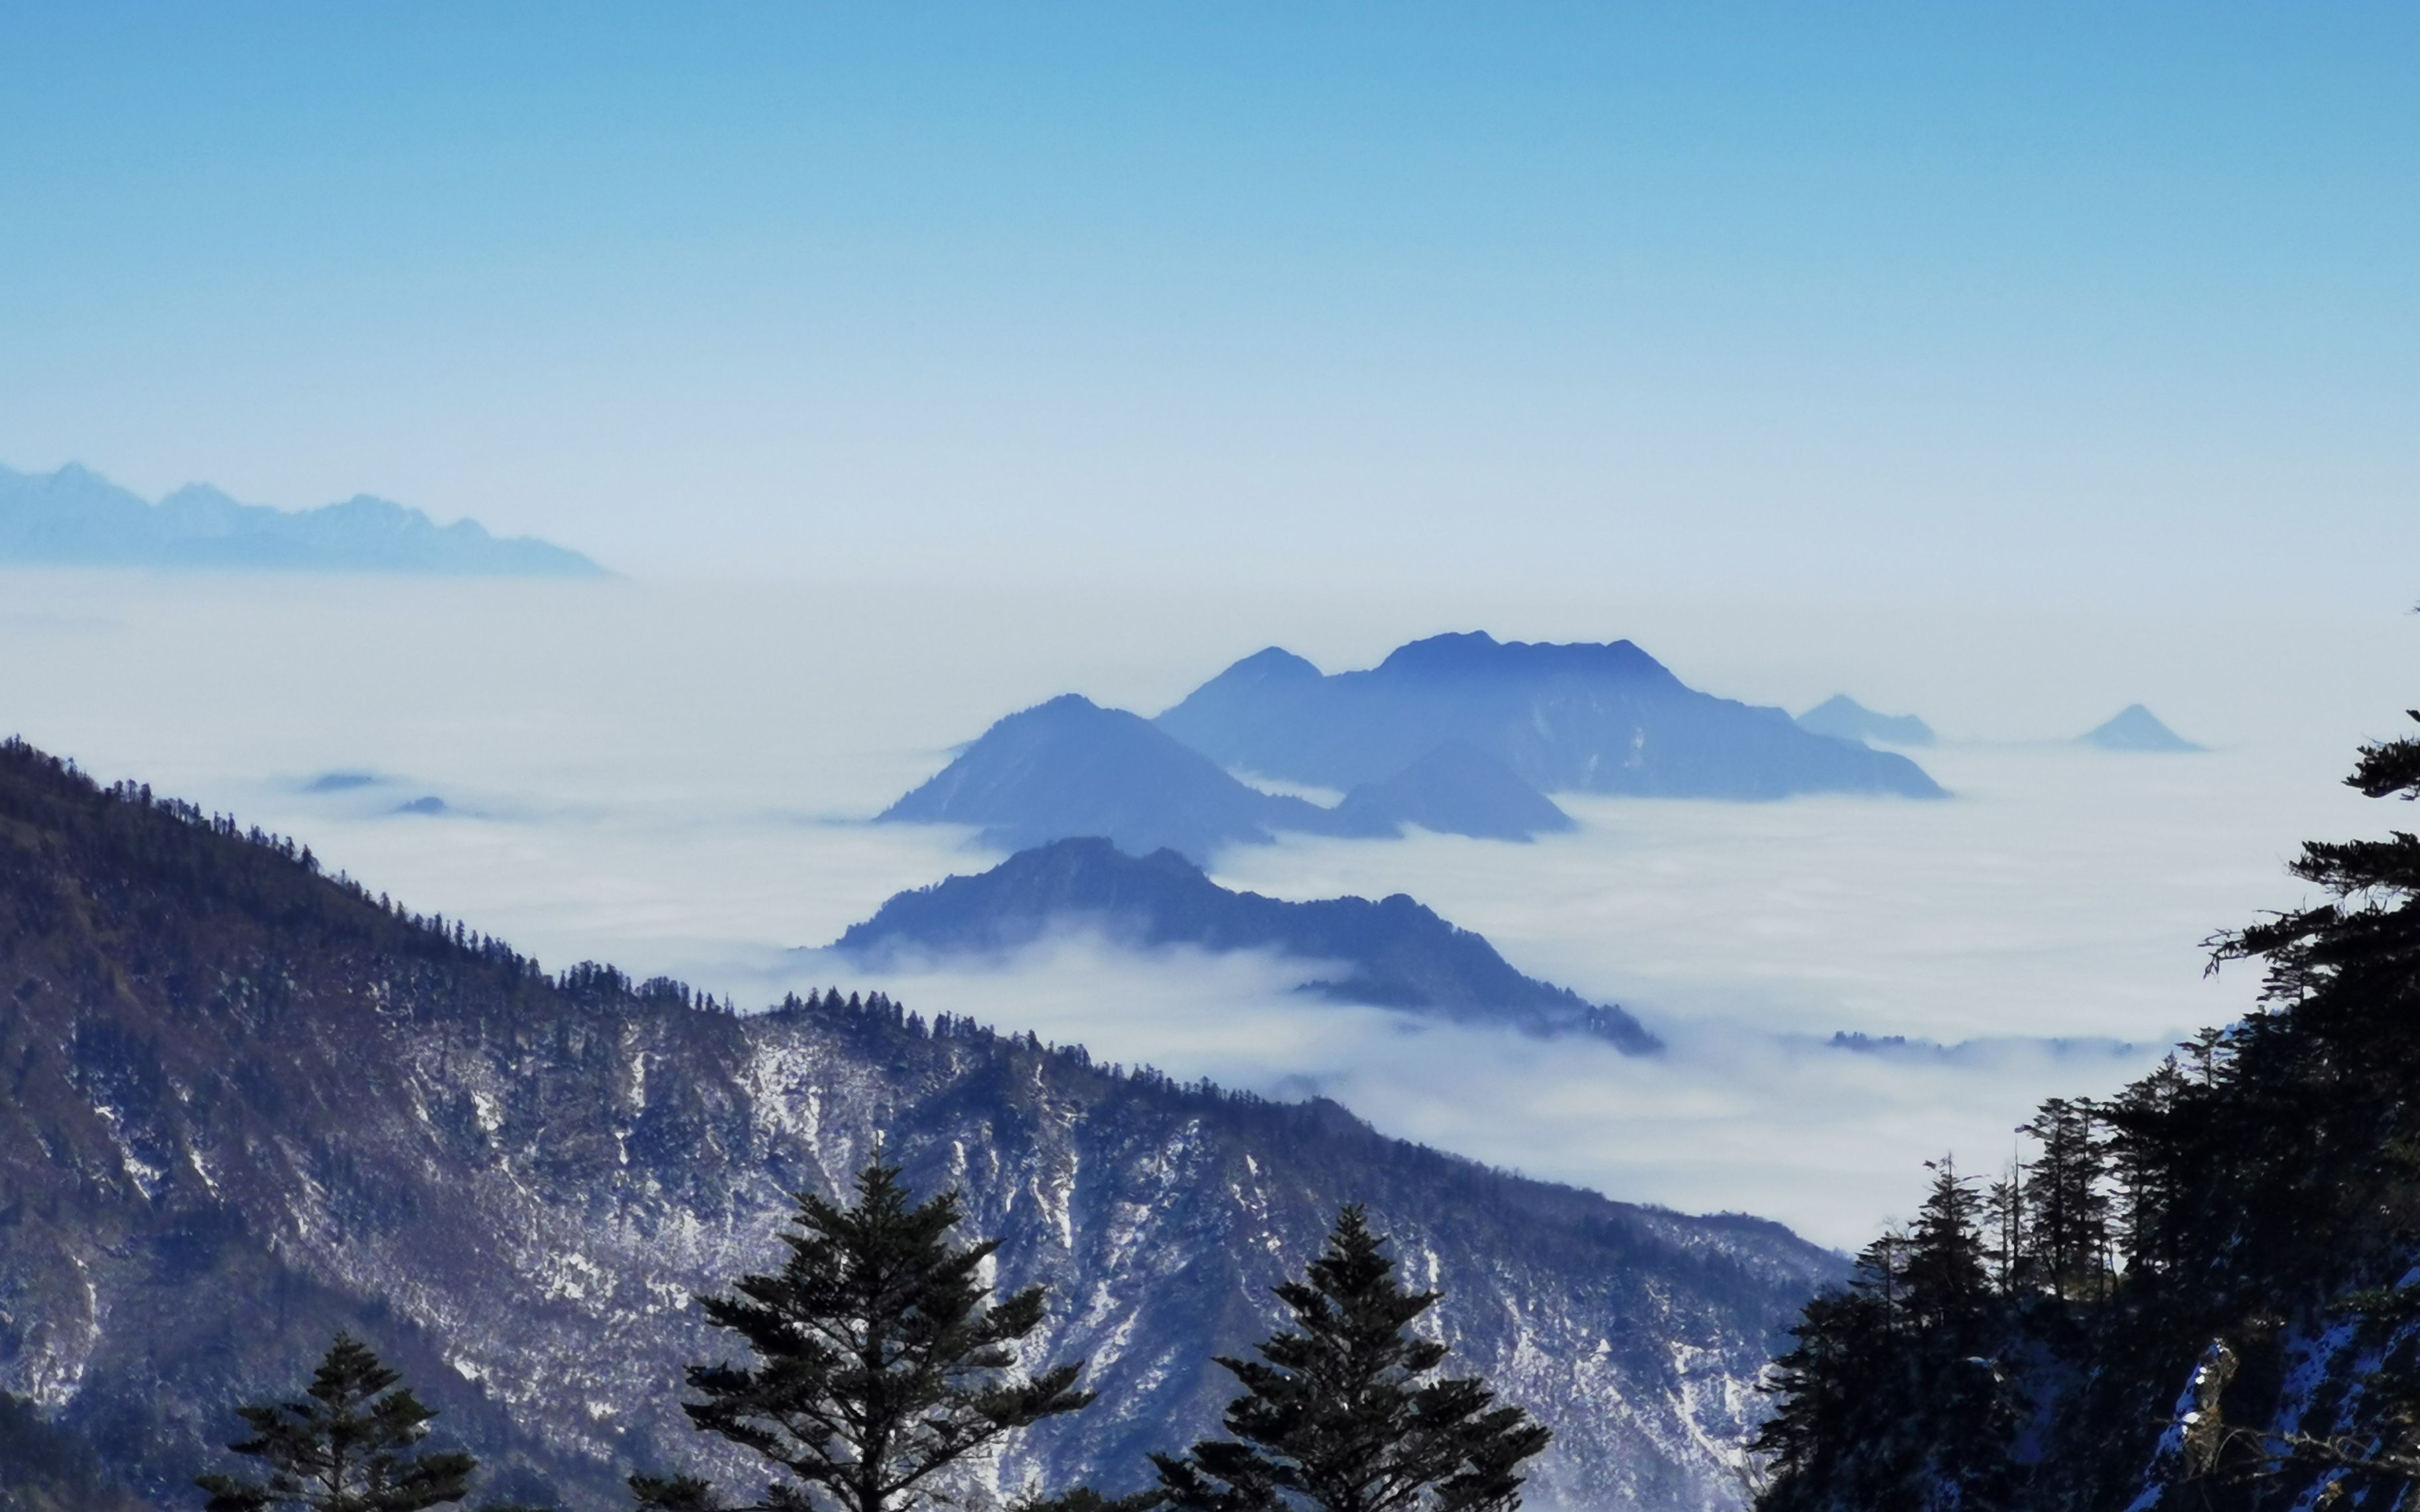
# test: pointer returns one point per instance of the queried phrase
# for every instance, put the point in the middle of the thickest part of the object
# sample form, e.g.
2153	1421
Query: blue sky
1976	299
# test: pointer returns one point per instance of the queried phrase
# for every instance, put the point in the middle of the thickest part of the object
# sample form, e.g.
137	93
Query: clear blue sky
1988	297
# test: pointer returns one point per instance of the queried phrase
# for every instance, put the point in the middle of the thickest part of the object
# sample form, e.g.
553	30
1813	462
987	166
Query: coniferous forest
885	1368
2201	1293
252	1107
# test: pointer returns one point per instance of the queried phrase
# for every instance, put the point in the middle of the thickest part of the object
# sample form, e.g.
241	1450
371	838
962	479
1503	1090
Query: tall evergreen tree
2068	1212
2005	1205
1888	1402
1335	1416
1948	1285
1824	1388
2145	1162
881	1363
347	1445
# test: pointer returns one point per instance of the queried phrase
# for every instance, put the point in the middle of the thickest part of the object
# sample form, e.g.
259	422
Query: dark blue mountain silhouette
77	517
1456	789
1391	953
1069	767
1599	719
2135	728
1844	719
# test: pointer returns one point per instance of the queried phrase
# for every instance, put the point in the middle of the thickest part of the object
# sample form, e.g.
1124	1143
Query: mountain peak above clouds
1477	655
1457	789
76	518
1397	953
1595	718
1068	768
2135	728
1844	719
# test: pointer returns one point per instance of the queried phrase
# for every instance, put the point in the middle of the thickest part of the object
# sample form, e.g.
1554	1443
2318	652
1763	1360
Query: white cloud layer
676	781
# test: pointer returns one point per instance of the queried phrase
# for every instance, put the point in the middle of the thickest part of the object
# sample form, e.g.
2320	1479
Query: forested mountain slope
2204	1293
247	1105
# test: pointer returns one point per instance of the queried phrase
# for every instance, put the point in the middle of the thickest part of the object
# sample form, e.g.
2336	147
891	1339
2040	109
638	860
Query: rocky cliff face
248	1104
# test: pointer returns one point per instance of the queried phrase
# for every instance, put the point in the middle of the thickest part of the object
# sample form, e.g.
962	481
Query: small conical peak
1276	661
2136	728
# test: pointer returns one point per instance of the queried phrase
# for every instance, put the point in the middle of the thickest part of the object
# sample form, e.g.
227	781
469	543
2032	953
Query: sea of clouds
677	780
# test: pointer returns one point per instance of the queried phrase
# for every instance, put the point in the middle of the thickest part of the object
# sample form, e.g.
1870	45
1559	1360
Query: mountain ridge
74	516
1403	955
1845	718
1067	768
1585	716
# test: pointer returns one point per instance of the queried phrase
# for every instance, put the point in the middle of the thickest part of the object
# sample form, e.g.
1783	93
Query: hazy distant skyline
2060	299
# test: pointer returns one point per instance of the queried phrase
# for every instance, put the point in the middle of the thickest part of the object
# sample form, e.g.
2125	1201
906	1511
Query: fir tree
880	1361
1886	1402
2068	1210
2146	1163
1947	1286
345	1446
1335	1417
2006	1206
1821	1386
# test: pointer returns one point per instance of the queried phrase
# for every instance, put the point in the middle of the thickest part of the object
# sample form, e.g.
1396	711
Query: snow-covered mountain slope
250	1104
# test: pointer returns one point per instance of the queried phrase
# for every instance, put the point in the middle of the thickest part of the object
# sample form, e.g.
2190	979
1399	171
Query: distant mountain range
76	518
1583	719
1843	717
2135	728
1459	734
250	1104
1070	767
1391	953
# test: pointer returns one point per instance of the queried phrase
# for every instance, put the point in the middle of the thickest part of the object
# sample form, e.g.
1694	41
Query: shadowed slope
1394	954
1843	717
1069	767
1596	719
1457	789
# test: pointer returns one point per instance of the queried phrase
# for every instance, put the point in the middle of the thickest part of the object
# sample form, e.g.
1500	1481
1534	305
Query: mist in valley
676	779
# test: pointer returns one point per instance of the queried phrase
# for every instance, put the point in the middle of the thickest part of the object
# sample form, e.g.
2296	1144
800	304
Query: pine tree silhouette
347	1446
1335	1417
879	1364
